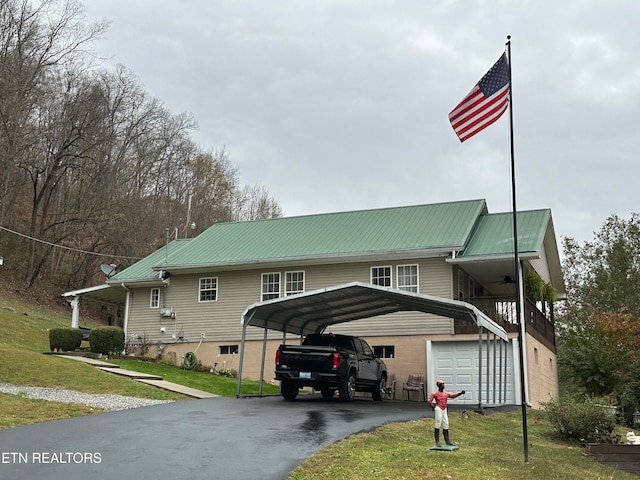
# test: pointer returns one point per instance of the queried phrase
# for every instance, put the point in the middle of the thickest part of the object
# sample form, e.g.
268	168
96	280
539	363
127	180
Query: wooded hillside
93	169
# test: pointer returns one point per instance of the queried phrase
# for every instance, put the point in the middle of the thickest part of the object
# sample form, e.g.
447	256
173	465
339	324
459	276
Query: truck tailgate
310	359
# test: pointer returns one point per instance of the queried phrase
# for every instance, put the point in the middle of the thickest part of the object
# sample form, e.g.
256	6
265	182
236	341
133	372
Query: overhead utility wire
67	248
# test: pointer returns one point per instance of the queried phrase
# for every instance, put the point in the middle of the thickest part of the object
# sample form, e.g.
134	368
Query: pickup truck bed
330	363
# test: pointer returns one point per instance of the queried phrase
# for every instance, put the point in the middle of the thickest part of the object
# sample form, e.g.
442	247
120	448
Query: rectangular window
293	283
228	349
407	277
460	285
270	286
154	299
472	287
381	276
208	289
384	351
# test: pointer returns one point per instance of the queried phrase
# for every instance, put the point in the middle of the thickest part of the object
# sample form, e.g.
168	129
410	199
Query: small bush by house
106	340
64	339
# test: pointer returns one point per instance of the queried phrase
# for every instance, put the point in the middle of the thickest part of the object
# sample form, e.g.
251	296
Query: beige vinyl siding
220	320
144	321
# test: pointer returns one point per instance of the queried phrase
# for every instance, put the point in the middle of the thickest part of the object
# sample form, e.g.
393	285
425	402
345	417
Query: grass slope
24	337
490	448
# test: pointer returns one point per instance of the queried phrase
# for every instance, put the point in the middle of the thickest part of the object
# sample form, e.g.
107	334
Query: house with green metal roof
190	295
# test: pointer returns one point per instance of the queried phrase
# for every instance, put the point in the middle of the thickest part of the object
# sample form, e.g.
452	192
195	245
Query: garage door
456	364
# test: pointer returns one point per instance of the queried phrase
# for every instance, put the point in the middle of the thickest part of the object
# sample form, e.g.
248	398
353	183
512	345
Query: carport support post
488	362
494	367
479	367
501	374
245	322
264	350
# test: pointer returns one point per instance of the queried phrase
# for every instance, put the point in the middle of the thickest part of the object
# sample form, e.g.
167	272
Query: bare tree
35	41
255	203
89	160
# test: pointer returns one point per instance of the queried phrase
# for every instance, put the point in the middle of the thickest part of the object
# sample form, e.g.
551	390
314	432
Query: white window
407	277
381	276
228	349
208	290
460	284
270	285
293	283
384	351
154	299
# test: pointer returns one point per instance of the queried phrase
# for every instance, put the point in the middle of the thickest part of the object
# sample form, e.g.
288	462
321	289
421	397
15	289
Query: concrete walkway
146	378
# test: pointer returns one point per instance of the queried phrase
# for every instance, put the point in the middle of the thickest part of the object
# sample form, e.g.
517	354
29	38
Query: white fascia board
493	258
83	291
311	260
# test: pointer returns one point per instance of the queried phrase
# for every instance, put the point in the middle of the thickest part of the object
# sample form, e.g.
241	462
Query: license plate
305	375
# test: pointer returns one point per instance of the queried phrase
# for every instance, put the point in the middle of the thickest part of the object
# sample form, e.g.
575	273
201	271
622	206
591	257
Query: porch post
75	313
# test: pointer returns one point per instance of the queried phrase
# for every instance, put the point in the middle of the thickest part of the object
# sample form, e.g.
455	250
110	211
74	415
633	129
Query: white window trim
382	266
417	285
263	293
151	305
460	291
304	282
200	289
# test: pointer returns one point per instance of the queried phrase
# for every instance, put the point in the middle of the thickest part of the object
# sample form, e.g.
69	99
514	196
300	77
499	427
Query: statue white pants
442	419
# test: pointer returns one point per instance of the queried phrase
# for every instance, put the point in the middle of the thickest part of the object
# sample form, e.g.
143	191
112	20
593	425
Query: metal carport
312	312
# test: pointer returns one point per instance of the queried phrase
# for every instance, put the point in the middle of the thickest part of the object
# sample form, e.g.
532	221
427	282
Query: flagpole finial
508	38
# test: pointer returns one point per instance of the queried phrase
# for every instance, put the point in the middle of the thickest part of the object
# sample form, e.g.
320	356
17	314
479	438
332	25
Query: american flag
484	104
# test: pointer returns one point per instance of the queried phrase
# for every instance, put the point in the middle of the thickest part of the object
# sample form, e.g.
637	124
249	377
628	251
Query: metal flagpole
516	261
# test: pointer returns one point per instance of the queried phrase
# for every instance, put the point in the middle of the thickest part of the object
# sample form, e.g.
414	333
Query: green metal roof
400	229
464	226
143	269
493	235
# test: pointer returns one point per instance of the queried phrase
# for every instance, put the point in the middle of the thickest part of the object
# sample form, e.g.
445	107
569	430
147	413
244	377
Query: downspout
126	309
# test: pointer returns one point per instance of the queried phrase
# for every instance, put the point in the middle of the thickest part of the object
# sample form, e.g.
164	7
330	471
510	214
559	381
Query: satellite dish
108	269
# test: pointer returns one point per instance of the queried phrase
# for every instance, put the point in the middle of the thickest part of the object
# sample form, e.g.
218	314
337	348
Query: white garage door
456	364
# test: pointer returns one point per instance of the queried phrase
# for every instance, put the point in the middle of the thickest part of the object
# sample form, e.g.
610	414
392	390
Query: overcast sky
342	105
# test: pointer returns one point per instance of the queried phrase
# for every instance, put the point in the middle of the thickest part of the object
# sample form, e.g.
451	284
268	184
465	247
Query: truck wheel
327	393
380	390
347	390
288	390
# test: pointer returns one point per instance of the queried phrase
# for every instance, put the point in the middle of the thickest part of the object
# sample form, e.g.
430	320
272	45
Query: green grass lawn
490	446
24	338
207	382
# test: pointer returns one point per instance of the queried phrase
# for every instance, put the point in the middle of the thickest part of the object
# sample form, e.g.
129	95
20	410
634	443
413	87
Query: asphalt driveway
216	438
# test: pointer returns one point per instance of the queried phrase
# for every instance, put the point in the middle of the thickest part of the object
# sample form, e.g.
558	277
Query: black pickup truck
328	363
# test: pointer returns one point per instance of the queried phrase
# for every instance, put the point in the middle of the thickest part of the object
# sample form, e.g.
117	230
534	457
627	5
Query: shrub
106	340
65	339
227	372
586	421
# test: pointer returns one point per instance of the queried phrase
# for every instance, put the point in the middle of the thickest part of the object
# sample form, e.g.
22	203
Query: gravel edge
96	400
